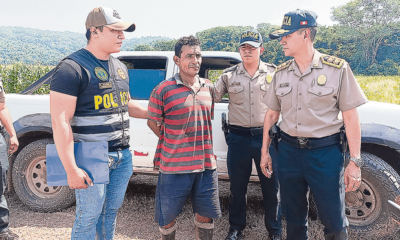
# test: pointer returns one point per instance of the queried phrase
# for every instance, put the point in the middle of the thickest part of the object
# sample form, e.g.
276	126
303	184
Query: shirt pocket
263	93
285	97
236	94
319	97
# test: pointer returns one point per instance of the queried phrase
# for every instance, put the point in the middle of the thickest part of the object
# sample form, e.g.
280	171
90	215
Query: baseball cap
108	17
292	21
251	37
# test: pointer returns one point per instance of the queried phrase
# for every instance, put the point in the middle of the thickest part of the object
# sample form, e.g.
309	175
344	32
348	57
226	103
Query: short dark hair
313	32
185	41
89	34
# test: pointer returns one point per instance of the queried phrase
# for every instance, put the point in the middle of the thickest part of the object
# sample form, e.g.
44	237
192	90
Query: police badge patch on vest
121	73
101	73
105	85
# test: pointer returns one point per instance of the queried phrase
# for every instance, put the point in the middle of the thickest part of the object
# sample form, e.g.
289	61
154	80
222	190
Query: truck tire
367	207
30	180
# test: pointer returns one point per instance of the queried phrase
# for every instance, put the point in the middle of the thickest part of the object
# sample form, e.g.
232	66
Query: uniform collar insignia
316	60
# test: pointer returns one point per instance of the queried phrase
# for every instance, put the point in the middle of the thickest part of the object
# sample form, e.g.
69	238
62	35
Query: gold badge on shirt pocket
321	80
121	73
268	79
104	85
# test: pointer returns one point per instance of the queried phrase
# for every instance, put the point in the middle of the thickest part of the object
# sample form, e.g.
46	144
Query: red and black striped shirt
185	143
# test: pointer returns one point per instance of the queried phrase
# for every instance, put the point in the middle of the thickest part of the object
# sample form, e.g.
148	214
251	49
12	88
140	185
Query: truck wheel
367	207
30	180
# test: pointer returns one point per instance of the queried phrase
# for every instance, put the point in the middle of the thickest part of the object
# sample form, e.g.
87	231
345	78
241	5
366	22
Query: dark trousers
4	213
241	151
319	170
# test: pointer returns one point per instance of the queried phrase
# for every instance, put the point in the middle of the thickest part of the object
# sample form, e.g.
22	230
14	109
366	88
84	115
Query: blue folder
90	156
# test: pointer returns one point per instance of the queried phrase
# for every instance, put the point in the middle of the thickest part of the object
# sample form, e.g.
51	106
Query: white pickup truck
367	208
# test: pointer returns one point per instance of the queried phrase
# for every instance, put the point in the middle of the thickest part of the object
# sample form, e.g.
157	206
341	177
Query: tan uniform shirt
2	95
247	106
310	102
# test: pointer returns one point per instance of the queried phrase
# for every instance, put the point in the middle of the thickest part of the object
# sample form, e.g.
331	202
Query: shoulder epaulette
283	65
332	61
231	69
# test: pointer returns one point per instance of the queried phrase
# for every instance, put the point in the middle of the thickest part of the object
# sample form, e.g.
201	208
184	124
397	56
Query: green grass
381	88
18	76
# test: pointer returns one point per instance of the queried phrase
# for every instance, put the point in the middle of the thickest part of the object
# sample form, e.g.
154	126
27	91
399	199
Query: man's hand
13	145
78	179
266	164
352	177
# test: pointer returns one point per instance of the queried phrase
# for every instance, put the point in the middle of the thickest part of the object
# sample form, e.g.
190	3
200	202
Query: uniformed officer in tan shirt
310	91
247	84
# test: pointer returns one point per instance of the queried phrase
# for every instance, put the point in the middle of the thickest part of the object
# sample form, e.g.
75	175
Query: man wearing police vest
89	102
247	84
310	91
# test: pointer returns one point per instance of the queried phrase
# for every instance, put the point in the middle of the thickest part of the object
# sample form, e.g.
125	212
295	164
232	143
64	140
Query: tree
164	45
221	38
144	47
372	22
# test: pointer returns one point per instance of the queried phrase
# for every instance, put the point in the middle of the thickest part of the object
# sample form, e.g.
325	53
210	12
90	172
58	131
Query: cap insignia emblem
121	73
116	15
101	73
280	31
321	80
287	21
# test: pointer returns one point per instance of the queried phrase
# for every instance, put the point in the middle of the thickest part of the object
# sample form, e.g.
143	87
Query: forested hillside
367	36
32	46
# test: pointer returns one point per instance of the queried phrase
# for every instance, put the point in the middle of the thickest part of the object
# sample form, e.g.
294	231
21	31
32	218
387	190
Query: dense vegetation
367	36
27	45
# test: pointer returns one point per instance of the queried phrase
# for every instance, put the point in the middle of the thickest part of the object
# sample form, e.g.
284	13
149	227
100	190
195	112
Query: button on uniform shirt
185	114
310	102
247	106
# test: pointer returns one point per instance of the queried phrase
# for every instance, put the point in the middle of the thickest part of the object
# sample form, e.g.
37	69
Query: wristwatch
358	161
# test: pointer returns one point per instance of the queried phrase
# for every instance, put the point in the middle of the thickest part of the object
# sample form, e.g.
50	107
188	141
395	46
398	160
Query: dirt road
136	217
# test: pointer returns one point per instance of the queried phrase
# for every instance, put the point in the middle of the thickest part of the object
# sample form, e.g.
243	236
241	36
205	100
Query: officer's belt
246	131
303	142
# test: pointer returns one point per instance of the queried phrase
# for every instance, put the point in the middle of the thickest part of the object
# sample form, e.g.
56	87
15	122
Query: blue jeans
319	170
97	206
242	150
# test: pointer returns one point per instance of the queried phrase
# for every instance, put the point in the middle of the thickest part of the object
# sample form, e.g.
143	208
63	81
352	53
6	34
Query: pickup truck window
144	74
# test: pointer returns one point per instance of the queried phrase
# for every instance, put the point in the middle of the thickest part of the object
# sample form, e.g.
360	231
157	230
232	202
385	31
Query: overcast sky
169	18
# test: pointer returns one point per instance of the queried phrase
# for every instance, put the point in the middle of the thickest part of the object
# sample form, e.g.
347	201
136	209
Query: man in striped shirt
180	113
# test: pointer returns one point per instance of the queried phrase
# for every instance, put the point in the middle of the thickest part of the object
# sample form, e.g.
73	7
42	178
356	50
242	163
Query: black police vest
101	112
